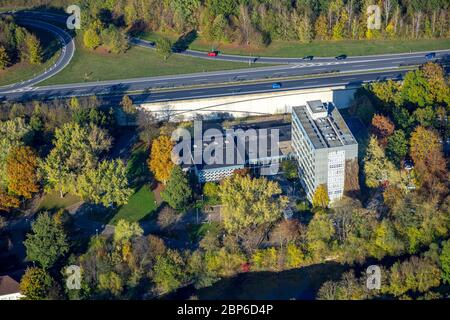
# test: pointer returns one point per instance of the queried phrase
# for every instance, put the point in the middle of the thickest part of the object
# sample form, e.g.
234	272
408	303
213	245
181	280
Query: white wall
251	104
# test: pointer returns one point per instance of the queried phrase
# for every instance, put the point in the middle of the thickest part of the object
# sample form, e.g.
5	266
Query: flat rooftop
330	131
284	146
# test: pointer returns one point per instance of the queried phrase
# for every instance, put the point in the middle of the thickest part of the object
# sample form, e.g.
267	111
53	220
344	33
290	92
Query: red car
212	54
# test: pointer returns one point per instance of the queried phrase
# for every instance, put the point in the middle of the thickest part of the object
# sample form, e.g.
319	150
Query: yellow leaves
21	171
320	197
160	162
422	143
250	202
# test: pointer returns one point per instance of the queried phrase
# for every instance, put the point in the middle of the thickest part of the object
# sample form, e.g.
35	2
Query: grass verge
315	48
88	66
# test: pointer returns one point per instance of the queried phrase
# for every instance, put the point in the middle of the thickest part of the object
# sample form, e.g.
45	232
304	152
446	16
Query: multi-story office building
324	147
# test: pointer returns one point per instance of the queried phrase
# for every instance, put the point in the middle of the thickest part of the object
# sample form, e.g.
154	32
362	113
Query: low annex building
9	289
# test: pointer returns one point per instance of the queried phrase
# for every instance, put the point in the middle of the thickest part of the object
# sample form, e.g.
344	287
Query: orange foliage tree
160	161
21	171
382	127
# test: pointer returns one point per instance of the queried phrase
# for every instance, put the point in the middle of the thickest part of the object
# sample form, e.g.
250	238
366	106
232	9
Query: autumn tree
382	128
128	108
7	201
91	38
34	49
160	162
249	203
377	168
21	170
13	133
423	142
320	198
35	284
321	28
177	193
47	242
430	164
4	58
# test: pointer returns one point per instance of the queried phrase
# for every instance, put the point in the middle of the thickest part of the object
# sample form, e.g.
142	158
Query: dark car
430	56
308	58
341	57
2	98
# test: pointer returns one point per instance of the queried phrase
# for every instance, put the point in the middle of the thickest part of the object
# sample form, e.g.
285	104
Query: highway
350	71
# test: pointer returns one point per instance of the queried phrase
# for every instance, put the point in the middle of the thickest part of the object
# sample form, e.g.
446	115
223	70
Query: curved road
351	71
67	52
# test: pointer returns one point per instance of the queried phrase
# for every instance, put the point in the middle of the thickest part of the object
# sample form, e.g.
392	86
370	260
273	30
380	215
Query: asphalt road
67	52
114	94
369	68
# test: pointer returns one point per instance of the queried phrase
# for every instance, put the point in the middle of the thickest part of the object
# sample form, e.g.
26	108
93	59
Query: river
299	284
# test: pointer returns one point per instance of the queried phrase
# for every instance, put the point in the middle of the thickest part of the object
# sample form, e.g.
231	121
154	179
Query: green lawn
198	231
136	62
140	206
24	70
53	201
316	48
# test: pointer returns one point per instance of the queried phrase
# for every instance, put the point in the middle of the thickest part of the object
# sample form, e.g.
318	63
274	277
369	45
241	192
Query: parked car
408	164
2	98
308	58
276	85
213	53
430	56
341	57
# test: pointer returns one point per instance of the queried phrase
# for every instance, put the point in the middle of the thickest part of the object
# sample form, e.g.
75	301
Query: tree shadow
183	42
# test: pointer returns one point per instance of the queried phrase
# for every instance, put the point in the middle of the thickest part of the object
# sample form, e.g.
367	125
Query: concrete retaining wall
249	104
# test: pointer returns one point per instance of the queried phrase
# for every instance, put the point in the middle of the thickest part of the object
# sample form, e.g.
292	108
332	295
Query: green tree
426	86
107	184
35	284
320	234
397	147
76	149
249	203
211	191
169	271
445	261
91	39
47	242
290	169
126	231
110	282
164	47
177	193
